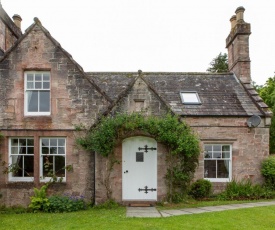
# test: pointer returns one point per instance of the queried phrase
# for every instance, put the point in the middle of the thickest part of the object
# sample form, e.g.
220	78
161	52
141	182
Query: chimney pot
239	13
233	21
17	20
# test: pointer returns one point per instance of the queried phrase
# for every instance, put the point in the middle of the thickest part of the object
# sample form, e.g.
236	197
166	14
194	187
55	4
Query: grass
248	218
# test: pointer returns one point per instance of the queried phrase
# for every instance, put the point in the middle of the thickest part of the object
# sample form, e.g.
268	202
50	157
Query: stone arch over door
139	169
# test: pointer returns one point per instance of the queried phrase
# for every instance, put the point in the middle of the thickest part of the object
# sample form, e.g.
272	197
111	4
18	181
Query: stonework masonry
79	99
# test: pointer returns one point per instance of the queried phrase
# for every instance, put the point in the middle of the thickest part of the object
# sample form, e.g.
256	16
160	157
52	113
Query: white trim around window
21	158
37	93
218	162
52	158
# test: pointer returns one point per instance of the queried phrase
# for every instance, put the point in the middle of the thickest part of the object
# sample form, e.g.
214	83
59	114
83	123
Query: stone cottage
45	94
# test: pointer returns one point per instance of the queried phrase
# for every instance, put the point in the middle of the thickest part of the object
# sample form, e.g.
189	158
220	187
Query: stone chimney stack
237	44
17	20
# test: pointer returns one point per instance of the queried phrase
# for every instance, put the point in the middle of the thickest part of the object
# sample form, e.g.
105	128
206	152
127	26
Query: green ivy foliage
268	171
177	136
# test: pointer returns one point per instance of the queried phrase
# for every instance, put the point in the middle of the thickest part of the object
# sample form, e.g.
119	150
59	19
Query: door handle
126	171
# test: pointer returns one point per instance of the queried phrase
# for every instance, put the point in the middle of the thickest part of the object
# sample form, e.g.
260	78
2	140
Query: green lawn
249	218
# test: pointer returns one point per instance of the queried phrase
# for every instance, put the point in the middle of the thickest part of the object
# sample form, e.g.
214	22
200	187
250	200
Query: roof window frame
198	102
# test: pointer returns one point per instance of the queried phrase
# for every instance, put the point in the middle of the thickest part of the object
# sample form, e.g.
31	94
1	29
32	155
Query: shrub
268	171
65	204
39	201
244	190
200	189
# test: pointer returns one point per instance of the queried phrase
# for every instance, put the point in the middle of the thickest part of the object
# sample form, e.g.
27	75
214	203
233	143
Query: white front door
139	169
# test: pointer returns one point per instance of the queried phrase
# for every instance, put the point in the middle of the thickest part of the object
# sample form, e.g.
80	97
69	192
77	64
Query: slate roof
220	94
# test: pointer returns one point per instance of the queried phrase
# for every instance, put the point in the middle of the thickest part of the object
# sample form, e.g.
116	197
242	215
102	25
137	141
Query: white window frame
216	159
27	89
45	178
194	93
23	178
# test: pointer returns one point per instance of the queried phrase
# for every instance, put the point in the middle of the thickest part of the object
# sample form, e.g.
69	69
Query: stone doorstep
140	205
141	209
142	212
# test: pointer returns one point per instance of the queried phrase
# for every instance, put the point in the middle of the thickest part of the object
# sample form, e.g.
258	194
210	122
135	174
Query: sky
152	35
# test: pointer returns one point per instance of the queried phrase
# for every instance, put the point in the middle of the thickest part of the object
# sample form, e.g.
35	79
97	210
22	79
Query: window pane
30	150
47	166
61	142
28	166
207	155
60	166
226	155
45	142
61	150
210	169
217	155
53	142
30	85
223	168
38	85
225	148
29	77
14	150
53	150
17	162
44	101
190	97
208	147
45	150
46	85
38	77
14	142
22	142
217	148
32	97
46	77
30	142
23	150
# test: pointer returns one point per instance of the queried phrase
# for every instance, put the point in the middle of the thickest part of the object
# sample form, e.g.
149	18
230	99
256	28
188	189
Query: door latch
126	171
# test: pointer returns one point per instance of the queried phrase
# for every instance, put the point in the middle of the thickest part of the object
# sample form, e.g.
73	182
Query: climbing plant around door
181	143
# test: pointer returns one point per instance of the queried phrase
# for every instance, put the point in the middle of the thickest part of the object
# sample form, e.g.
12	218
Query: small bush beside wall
268	171
245	190
65	204
201	189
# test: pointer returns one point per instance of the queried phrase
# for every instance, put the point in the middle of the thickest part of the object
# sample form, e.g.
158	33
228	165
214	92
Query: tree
257	87
267	93
219	64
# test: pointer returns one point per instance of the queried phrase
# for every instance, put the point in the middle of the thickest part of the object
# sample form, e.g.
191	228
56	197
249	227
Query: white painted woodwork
135	174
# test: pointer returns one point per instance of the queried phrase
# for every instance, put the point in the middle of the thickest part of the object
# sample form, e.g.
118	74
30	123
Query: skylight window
190	97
